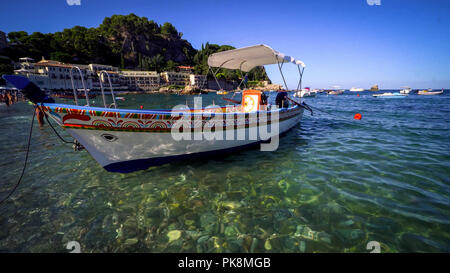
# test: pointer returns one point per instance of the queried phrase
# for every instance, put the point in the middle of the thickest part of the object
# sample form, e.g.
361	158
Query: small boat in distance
430	92
221	92
405	90
374	88
354	89
335	92
389	95
305	93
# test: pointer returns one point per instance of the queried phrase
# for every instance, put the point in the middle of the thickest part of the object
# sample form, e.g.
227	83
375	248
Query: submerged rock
131	241
267	245
254	245
174	235
302	247
350	236
231	204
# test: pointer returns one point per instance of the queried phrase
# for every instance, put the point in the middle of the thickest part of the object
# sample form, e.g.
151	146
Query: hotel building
140	80
175	78
54	75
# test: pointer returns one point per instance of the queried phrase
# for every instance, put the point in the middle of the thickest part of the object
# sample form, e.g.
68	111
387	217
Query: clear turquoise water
333	185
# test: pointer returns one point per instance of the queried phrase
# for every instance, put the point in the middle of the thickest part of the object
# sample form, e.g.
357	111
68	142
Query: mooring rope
54	130
329	113
25	163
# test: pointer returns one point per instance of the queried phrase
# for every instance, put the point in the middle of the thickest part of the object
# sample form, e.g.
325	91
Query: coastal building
198	81
185	69
175	78
113	73
140	80
59	75
53	75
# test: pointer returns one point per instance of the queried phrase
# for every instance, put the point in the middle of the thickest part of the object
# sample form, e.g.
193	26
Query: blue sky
343	42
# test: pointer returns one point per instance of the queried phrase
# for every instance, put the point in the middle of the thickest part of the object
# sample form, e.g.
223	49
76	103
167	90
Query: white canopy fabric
247	58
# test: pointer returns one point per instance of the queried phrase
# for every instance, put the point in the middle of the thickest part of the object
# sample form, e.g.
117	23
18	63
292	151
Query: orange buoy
357	95
142	107
358	116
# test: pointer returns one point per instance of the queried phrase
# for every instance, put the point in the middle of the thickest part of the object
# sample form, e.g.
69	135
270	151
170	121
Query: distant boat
406	90
222	92
335	92
305	93
389	95
354	89
430	92
374	88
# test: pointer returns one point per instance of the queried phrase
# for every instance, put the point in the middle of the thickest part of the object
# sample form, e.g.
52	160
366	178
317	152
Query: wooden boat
430	92
127	140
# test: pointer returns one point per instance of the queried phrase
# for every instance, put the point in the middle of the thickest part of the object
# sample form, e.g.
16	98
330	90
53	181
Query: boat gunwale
163	111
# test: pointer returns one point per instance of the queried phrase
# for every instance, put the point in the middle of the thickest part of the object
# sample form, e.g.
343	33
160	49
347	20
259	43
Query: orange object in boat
251	100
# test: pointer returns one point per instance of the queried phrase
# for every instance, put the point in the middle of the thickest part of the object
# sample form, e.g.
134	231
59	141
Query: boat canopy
247	58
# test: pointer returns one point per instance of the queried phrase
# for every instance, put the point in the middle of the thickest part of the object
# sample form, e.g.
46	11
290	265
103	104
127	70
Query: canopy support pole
299	86
243	78
281	72
214	73
215	78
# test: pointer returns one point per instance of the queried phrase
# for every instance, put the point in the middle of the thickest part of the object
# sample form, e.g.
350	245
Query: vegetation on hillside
125	41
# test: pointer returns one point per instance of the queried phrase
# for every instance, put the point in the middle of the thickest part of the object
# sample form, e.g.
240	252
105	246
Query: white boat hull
127	151
356	89
430	93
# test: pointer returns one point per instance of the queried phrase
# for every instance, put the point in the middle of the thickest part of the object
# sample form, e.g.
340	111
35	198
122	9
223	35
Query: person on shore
40	116
7	99
282	99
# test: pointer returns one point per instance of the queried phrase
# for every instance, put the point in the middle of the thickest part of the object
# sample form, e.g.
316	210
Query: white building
198	81
140	80
175	78
59	75
54	75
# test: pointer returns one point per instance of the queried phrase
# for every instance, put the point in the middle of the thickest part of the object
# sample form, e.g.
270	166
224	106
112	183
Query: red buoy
142	107
358	116
357	95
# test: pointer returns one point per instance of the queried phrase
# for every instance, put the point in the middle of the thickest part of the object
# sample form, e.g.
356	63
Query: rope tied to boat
25	163
53	128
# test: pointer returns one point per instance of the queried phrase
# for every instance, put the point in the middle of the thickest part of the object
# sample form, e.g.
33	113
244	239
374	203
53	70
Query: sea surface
334	185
